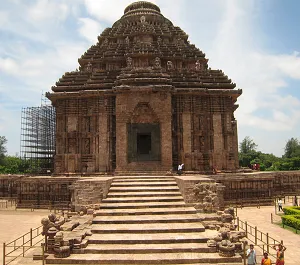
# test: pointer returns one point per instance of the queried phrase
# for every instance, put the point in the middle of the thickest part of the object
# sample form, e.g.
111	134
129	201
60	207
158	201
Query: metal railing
263	240
18	247
50	207
24	249
6	202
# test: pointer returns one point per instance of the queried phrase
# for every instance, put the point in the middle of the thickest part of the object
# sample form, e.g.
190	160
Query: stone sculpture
60	250
129	62
157	62
169	65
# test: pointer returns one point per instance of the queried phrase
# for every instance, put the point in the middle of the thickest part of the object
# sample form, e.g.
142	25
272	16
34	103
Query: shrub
292	210
291	220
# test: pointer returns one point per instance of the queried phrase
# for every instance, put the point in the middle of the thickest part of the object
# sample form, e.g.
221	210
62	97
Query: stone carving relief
86	146
206	196
89	67
228	241
169	65
143	19
143	113
129	62
157	63
71	145
159	40
197	65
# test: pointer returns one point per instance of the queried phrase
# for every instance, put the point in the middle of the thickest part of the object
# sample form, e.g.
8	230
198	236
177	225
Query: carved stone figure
169	65
197	65
89	67
60	250
129	62
143	19
157	62
226	247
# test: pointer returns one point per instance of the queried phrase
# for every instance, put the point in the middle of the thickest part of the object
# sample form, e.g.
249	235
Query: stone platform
145	221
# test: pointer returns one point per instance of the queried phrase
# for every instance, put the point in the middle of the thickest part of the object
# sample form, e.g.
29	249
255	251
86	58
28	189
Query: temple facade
144	99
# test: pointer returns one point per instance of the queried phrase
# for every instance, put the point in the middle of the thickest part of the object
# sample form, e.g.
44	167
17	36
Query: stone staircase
144	220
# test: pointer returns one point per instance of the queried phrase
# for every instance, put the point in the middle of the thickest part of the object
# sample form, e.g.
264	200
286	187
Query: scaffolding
38	138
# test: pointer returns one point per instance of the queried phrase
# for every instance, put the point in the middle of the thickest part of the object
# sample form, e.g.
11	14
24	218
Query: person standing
295	201
280	254
180	168
280	205
251	255
266	260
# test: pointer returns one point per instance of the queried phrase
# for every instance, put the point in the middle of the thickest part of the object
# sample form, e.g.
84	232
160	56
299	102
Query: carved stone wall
204	133
89	191
84	135
143	108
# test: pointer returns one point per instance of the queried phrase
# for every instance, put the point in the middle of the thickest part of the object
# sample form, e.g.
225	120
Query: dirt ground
16	223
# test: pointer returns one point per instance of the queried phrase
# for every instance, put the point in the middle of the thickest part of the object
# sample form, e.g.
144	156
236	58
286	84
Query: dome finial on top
140	6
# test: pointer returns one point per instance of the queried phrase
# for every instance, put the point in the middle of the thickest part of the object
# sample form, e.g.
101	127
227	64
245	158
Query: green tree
292	148
3	142
14	165
247	145
247	151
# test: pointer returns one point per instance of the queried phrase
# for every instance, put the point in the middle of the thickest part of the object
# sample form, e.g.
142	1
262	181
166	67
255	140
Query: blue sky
255	42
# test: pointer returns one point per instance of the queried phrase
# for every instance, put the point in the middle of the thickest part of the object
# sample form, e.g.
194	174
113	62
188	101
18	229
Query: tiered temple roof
143	47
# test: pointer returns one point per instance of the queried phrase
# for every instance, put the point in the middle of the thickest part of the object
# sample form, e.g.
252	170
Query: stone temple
144	99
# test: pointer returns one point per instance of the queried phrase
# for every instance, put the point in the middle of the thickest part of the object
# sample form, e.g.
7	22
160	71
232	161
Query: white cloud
43	10
89	29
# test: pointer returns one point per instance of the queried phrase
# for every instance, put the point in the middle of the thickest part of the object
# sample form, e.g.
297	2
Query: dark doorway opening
143	143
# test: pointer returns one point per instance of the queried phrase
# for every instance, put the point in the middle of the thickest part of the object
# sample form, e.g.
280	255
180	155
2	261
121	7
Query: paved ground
261	217
15	223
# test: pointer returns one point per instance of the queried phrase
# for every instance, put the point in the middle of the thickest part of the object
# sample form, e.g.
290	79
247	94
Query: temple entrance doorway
143	142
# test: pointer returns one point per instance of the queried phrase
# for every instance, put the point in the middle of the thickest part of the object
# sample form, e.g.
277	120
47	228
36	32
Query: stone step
140	194
146	211
141	205
148	228
149	179
144	177
139	188
148	248
150	238
143	199
145	173
143	219
150	184
152	258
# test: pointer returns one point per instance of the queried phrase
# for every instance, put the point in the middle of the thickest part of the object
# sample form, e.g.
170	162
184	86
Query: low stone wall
187	185
89	191
258	187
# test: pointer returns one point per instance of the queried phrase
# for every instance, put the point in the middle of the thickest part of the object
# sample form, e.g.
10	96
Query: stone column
220	194
218	151
103	148
187	140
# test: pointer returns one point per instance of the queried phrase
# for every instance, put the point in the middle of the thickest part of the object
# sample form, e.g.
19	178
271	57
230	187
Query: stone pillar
103	148
187	140
166	144
220	194
218	150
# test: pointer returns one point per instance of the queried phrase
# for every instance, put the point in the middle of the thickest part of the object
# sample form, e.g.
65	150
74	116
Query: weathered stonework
89	191
196	190
144	99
